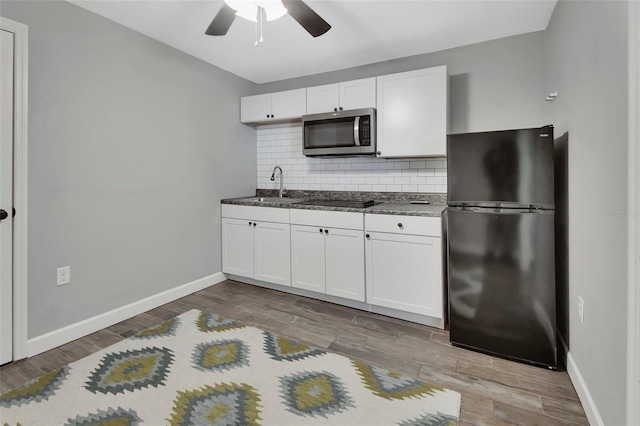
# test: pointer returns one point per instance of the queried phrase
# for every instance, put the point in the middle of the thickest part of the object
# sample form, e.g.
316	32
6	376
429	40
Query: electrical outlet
581	308
64	275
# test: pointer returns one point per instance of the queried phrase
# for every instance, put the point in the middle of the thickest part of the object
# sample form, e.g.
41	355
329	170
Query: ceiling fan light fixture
248	9
273	8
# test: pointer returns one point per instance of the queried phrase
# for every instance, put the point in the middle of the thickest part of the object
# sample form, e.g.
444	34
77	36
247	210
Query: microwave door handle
356	131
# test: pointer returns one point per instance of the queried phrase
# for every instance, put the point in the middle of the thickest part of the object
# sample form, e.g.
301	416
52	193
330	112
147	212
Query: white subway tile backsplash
281	144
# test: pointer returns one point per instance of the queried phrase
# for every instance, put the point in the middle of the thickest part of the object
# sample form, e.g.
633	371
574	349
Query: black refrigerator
500	242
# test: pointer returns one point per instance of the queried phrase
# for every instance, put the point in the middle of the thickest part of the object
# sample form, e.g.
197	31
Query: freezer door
511	167
501	278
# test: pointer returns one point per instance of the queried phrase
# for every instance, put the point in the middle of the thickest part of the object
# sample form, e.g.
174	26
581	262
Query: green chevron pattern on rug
314	394
111	417
202	369
390	385
35	390
167	328
284	349
221	355
223	404
210	322
130	370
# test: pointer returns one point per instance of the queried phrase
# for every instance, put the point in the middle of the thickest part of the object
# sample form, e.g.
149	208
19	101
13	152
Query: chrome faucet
273	177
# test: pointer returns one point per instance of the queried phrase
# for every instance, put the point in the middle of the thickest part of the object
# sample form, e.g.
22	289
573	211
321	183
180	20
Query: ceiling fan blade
221	23
310	20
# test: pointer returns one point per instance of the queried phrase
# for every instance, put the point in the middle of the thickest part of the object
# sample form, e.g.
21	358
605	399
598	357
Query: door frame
20	115
633	218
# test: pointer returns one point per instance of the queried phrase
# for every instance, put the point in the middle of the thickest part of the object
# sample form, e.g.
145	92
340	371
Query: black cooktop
354	204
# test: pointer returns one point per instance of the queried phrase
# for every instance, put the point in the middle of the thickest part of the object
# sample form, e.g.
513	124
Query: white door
404	272
413	113
272	252
237	247
307	258
289	104
6	196
255	108
358	94
323	98
345	263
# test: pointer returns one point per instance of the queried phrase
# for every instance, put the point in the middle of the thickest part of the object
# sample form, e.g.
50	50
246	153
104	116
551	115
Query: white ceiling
363	31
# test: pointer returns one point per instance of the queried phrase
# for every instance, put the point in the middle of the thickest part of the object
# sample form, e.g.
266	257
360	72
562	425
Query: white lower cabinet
254	247
328	259
396	259
404	270
237	247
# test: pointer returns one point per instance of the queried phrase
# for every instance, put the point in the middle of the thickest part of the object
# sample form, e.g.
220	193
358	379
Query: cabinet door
255	108
323	98
272	253
405	272
358	94
307	258
289	104
344	250
237	247
413	115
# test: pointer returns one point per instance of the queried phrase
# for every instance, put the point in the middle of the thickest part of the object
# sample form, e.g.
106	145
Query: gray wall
132	144
586	57
494	85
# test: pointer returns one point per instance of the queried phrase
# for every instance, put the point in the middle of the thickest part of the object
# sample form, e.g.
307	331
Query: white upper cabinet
413	113
347	95
279	106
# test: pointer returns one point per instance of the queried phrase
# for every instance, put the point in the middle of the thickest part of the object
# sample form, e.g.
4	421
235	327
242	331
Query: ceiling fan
303	14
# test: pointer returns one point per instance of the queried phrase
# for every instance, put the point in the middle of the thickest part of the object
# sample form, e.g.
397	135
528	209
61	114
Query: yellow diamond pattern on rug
282	348
392	385
111	417
130	370
210	322
167	328
220	355
221	405
314	394
35	390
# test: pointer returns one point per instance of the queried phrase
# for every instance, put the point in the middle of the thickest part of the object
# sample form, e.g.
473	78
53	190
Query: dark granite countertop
392	203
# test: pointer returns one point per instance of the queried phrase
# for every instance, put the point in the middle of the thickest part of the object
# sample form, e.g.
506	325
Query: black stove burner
354	204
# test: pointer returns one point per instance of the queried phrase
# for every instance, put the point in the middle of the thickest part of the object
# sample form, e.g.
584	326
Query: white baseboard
83	328
590	409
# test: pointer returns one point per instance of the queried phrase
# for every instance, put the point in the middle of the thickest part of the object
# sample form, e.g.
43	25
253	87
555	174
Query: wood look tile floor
494	391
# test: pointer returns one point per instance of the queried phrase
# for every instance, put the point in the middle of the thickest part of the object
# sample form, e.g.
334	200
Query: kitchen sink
274	200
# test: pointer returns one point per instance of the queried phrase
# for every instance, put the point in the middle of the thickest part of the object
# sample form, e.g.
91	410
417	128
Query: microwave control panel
365	130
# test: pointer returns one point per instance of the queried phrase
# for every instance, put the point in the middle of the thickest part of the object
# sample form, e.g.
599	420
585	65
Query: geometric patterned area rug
202	369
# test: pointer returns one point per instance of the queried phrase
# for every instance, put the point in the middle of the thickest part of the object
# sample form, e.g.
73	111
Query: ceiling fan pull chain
261	12
255	42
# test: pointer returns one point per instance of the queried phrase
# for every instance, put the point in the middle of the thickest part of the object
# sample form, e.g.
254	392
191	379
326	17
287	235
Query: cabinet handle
250	223
340	108
326	231
368	236
378	153
254	224
335	109
400	225
321	230
267	115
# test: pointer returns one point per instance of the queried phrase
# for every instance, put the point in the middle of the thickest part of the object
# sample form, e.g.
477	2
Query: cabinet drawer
263	214
344	220
410	225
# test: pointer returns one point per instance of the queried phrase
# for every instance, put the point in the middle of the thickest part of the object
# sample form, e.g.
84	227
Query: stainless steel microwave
339	133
